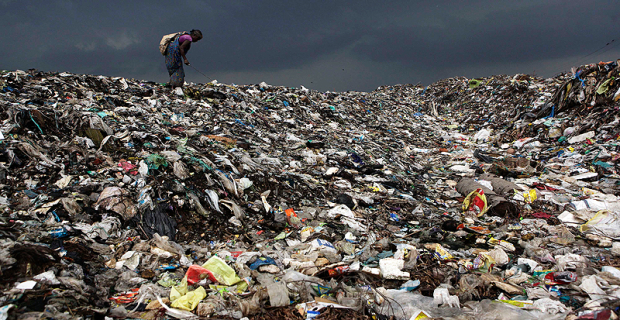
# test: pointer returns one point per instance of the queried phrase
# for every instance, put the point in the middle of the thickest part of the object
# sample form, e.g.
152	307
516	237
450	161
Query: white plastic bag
441	296
482	135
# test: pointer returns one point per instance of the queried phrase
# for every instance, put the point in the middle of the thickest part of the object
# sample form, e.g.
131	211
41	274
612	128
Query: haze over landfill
337	46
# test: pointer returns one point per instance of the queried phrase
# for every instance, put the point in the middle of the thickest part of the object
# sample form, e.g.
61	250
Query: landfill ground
488	198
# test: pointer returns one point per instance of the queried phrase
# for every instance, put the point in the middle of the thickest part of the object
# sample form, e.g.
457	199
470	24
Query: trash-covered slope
466	198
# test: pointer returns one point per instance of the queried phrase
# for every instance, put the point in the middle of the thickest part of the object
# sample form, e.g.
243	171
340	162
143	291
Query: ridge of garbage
465	198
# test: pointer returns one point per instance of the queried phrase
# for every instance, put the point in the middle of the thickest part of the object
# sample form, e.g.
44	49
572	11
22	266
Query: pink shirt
185	37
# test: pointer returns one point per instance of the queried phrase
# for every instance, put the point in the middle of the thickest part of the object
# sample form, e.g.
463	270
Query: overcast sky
323	45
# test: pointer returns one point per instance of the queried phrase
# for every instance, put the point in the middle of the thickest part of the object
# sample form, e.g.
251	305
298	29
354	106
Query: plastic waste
441	296
563	277
190	300
195	273
548	305
410	285
476	202
221	271
100	173
605	223
391	269
278	294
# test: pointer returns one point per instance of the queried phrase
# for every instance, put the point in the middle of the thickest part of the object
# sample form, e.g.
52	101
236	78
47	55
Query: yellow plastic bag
191	300
530	196
178	291
222	272
476	202
243	285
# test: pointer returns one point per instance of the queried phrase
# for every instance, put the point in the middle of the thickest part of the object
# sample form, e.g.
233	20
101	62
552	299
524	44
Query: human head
195	34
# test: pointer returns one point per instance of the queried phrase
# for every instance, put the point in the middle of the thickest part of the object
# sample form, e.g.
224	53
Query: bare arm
182	49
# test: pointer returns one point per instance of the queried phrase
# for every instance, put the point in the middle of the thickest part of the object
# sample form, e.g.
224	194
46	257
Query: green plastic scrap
221	290
167	280
474	83
36	123
604	87
603	164
155	161
205	167
281	236
95	135
182	148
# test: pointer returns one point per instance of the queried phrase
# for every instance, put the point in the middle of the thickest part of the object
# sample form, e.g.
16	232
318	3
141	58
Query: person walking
176	56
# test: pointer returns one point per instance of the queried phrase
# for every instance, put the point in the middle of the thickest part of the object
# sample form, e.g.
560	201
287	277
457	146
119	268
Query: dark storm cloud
328	45
547	30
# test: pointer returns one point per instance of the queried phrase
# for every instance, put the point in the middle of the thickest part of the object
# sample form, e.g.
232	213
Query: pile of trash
489	198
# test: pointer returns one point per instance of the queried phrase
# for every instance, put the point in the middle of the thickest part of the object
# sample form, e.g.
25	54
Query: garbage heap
469	199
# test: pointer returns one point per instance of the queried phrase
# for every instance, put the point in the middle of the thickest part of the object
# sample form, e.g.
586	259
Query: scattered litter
463	199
